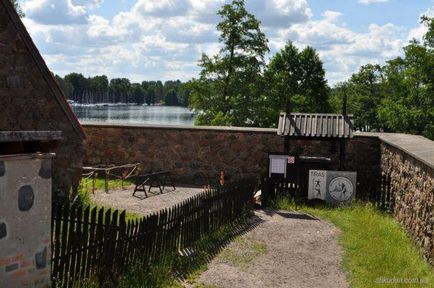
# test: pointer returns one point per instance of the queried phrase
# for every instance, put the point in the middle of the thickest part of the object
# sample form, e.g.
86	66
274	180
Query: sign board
341	186
317	184
278	164
332	186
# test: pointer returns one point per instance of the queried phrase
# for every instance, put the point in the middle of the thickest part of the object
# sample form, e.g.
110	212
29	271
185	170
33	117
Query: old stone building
30	98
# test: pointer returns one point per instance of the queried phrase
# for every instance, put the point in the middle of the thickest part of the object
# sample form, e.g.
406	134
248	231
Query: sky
164	39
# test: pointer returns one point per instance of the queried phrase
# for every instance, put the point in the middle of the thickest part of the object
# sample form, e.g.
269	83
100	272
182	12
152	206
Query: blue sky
163	39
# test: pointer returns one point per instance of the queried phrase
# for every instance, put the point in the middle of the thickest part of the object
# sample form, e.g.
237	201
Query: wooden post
222	178
95	174
288	115
342	147
106	180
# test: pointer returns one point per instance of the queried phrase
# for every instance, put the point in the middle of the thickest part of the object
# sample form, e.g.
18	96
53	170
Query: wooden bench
154	180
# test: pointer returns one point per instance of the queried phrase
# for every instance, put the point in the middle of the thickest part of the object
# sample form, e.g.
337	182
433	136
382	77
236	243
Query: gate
295	184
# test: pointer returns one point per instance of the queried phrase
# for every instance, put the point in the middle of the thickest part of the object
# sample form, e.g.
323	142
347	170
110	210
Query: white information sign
278	164
317	184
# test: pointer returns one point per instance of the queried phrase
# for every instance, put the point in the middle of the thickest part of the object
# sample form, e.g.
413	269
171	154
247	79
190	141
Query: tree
410	109
137	93
228	90
99	88
396	97
79	86
171	98
367	92
298	75
119	90
18	8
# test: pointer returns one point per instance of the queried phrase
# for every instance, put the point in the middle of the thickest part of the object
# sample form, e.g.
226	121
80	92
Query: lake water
136	114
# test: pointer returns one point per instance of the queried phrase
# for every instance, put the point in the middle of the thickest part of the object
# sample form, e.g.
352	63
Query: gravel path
286	249
122	199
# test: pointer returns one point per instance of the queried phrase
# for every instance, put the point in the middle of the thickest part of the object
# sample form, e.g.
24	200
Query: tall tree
298	75
227	91
399	96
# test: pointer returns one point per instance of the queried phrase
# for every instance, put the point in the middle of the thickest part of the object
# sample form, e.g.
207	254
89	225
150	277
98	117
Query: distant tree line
237	87
98	89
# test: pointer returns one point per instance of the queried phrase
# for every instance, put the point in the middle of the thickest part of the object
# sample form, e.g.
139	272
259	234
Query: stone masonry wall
197	153
28	103
413	190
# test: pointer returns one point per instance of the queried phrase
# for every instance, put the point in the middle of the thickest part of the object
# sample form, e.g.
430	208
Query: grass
86	188
377	251
169	272
242	252
100	184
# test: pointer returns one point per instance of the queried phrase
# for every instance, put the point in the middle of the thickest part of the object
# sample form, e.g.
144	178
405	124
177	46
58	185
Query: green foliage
99	89
85	190
396	97
375	245
234	87
229	88
297	76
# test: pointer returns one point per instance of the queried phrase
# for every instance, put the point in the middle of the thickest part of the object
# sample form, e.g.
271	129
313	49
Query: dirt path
286	249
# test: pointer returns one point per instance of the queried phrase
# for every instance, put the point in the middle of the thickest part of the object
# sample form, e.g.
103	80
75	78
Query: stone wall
197	153
412	182
192	154
28	100
25	220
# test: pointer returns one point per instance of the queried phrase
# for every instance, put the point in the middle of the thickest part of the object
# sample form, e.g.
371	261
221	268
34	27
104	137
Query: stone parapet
195	154
412	185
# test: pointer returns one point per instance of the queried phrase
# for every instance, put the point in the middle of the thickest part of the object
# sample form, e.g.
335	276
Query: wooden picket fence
376	190
91	242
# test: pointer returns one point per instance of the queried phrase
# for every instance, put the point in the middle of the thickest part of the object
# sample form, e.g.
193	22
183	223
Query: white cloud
366	2
59	12
342	50
419	31
161	8
278	13
164	39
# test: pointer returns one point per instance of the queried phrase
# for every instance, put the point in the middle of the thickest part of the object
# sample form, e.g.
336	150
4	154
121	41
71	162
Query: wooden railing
376	190
90	242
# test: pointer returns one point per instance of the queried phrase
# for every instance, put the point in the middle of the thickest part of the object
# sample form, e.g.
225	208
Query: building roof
316	125
43	68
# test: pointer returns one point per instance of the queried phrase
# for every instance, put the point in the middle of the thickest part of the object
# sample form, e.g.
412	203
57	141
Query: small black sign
41	259
3	231
2	169
26	197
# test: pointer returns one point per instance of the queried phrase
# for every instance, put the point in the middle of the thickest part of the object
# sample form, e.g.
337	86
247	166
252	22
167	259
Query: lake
136	114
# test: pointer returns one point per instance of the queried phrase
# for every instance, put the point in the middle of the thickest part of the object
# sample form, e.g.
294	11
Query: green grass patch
377	251
86	184
84	191
242	252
